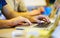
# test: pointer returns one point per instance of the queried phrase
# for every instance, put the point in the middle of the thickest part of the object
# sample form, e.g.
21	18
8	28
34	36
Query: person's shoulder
3	2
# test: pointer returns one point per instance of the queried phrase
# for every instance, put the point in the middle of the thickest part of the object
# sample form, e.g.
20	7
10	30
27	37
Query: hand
41	19
37	11
17	20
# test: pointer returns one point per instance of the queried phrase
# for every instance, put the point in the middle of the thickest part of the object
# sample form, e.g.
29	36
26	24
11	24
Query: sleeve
52	1
3	2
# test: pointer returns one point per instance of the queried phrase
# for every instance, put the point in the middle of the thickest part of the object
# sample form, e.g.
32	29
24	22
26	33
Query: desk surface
6	33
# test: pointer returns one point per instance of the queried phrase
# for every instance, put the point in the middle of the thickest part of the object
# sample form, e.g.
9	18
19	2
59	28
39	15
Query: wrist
11	23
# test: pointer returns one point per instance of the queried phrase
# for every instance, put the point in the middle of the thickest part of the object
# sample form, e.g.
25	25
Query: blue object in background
47	11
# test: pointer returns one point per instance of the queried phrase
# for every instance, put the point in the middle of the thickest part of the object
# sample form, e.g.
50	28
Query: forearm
10	13
31	18
5	23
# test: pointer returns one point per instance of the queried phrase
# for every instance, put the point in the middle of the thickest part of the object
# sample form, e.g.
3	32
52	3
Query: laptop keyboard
43	25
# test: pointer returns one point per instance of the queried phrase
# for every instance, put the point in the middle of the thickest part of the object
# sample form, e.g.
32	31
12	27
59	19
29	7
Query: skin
14	18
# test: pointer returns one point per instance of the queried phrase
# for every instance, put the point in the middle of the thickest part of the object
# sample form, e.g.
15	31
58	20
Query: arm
10	13
13	22
5	23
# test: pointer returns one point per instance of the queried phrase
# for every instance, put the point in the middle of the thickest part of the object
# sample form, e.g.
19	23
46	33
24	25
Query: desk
7	33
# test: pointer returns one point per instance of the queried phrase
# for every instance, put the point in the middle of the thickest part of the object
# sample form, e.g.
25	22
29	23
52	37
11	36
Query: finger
21	23
41	9
38	21
35	12
27	21
25	24
46	19
42	17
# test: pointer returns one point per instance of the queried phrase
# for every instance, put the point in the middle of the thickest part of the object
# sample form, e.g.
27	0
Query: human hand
18	20
41	19
37	11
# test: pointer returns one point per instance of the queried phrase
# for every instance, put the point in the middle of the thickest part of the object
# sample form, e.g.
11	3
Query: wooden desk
6	33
